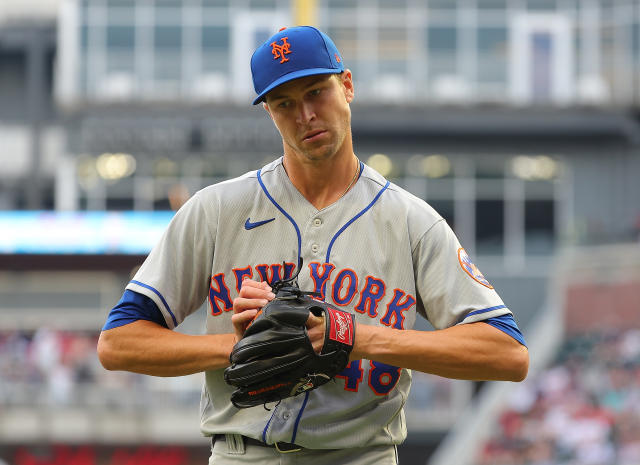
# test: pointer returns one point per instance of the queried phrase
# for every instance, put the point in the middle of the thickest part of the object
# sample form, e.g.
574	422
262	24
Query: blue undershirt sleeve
507	324
134	306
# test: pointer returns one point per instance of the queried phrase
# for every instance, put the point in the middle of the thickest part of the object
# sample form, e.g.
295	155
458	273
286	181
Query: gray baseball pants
234	451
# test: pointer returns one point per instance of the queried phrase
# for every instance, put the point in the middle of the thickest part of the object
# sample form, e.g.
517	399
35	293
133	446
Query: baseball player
366	246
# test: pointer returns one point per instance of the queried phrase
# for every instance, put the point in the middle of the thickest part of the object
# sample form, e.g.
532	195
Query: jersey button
286	415
315	248
317	222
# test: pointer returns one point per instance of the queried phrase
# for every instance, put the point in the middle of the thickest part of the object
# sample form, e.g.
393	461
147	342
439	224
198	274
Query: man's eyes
288	103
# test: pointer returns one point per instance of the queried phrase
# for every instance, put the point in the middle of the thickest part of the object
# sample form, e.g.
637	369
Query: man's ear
266	108
347	84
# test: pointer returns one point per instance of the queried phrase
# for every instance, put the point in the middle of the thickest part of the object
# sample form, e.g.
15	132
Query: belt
283	447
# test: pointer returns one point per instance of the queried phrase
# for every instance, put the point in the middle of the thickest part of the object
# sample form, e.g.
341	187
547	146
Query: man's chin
319	153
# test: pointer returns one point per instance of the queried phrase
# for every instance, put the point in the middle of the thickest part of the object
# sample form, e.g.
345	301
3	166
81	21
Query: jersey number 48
382	377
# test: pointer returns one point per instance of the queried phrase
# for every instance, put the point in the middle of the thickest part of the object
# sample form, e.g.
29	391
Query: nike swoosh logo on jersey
249	225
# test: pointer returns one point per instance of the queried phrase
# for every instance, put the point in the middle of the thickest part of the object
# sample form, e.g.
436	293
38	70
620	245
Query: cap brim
292	76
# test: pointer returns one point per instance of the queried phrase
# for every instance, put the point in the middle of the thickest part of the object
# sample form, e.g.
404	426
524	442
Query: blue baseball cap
290	54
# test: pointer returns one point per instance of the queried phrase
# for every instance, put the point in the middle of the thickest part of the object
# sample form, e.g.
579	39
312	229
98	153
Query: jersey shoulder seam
202	208
368	176
422	236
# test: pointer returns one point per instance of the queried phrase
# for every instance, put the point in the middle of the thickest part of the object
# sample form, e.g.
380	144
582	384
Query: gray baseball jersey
378	252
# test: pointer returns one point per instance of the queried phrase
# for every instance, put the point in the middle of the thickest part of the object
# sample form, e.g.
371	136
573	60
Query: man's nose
305	113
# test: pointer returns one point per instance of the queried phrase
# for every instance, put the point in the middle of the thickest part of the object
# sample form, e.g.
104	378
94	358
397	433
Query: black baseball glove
275	359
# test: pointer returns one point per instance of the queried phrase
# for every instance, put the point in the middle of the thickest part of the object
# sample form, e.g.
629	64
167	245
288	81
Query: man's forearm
475	351
148	348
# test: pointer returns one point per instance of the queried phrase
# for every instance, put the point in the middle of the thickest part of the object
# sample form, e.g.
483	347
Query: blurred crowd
54	367
584	410
49	358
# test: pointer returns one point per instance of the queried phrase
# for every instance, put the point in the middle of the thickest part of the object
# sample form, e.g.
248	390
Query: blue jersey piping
295	226
264	431
266	192
348	223
175	322
485	310
295	426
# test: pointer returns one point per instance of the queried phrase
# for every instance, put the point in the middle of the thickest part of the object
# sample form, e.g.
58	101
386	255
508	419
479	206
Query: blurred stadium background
517	119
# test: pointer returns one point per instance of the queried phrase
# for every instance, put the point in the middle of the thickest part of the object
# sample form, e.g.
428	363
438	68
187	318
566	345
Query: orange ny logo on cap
279	51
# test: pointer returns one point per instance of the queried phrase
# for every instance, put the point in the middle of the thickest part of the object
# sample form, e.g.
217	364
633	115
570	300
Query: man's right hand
253	296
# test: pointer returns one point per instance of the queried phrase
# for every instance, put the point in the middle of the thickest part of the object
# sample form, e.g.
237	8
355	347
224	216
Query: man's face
312	114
